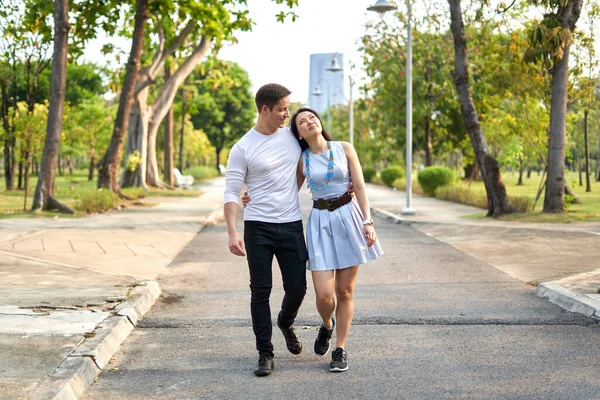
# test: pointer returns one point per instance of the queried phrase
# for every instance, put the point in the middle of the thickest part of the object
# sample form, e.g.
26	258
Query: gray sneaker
339	360
322	343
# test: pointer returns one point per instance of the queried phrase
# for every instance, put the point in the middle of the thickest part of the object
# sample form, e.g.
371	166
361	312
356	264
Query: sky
280	52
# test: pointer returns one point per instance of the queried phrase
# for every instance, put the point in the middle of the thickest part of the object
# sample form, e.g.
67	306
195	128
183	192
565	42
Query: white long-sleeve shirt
267	165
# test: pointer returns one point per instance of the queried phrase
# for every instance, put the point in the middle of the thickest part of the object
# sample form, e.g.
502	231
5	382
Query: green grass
587	211
68	189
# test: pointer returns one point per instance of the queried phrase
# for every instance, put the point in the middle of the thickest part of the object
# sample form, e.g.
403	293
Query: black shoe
291	339
265	364
339	360
322	343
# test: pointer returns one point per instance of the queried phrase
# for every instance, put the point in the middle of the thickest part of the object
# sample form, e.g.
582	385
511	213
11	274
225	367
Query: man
266	160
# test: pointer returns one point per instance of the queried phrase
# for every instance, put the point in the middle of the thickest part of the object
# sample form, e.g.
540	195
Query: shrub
390	174
568	201
400	184
461	195
202	172
96	201
369	173
377	180
521	204
432	178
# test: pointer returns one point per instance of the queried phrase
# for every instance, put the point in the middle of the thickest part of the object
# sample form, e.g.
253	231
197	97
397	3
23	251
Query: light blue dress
335	239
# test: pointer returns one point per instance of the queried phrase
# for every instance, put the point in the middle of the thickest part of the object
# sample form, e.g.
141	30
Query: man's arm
234	181
236	243
299	174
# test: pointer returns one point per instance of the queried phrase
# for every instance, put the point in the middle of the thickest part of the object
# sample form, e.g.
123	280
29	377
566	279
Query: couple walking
273	161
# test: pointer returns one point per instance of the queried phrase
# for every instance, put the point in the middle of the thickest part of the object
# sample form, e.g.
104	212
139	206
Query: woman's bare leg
345	279
324	288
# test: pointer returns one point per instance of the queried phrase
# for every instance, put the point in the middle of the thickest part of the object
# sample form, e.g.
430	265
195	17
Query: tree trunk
588	184
137	139
183	111
580	170
428	146
60	165
92	167
554	200
108	167
490	170
521	171
168	150
8	148
598	157
44	191
26	186
20	170
162	104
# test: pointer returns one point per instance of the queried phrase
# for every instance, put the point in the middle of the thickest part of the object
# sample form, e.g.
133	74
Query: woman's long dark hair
294	127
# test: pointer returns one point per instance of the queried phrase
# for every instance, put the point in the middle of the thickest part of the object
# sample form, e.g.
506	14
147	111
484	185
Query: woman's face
308	125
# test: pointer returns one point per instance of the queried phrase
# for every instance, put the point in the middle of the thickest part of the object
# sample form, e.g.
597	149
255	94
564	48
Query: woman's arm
360	189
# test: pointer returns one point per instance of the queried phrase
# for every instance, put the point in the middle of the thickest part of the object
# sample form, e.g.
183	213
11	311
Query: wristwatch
368	222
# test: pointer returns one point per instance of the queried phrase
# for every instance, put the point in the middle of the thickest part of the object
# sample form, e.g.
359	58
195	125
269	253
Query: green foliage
96	200
133	161
369	173
432	178
568	201
390	174
201	173
224	105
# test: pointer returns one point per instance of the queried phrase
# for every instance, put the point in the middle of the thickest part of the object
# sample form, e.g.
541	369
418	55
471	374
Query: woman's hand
370	234
245	199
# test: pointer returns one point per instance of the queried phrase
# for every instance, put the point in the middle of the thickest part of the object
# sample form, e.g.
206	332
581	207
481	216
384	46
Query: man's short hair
269	95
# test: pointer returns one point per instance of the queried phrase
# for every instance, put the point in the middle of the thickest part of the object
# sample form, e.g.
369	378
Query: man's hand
246	199
350	189
236	244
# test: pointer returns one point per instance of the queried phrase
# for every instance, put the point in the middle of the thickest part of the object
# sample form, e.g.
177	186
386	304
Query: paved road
432	322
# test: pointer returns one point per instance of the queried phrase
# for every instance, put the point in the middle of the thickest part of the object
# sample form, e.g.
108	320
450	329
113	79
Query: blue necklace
328	177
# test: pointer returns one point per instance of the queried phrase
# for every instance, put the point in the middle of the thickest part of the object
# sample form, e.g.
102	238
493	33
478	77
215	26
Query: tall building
331	83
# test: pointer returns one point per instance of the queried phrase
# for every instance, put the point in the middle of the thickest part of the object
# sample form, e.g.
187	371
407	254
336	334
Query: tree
550	45
43	198
224	107
191	29
87	131
108	167
490	170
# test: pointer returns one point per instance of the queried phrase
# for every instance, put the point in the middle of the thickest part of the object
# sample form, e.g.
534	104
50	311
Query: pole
408	210
328	108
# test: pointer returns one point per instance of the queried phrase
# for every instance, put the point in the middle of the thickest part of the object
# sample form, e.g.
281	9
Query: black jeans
285	241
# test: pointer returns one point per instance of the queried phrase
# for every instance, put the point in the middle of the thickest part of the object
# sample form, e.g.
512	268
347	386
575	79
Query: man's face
278	116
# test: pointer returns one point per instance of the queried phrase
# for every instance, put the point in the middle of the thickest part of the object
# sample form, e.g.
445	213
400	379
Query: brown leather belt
332	204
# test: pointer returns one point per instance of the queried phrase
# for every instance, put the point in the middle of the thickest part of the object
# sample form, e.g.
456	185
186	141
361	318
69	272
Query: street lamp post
335	67
317	92
381	7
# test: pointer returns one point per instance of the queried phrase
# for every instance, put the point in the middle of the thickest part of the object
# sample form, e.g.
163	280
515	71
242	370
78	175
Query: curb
389	216
79	370
585	304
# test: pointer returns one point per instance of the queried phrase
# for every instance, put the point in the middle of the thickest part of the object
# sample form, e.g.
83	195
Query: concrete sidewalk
562	261
71	290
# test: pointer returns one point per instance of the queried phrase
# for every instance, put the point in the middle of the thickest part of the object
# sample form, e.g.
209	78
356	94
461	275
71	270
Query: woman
339	233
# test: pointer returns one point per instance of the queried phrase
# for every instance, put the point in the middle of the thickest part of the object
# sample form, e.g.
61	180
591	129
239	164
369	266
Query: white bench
183	181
